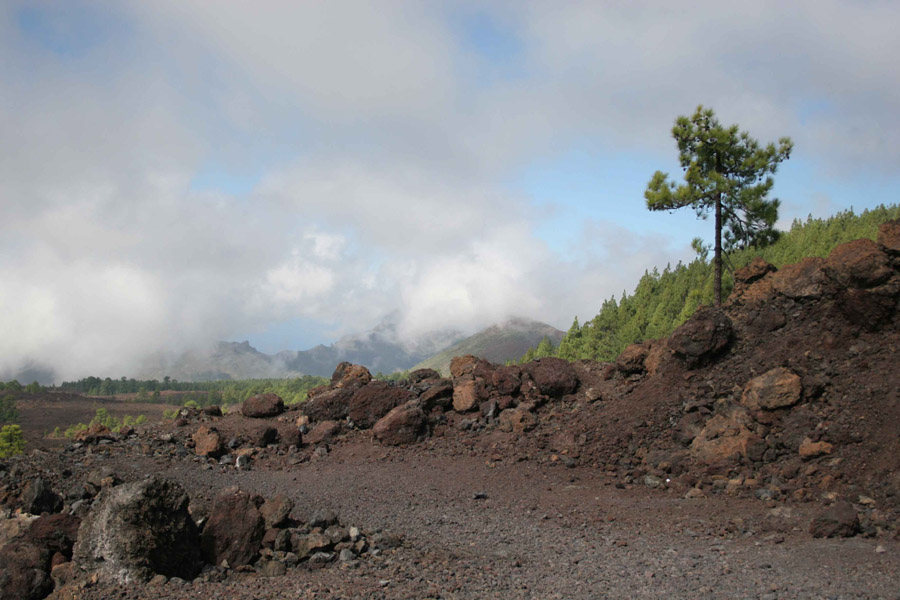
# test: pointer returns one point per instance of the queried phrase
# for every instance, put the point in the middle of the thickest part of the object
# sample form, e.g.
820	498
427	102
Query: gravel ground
475	529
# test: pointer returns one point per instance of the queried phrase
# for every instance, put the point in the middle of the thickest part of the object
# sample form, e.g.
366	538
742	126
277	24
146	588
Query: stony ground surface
474	528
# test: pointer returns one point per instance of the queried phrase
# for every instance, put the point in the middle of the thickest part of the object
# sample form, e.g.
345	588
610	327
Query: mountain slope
498	343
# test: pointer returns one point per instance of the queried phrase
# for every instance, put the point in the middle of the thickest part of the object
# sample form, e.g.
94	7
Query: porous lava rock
402	425
93	434
859	263
24	572
262	406
329	405
438	393
349	375
632	358
56	533
373	401
463	365
276	510
235	529
552	377
774	389
208	442
137	530
803	280
705	335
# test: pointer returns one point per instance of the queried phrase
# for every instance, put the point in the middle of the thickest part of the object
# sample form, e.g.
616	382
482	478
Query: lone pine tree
726	172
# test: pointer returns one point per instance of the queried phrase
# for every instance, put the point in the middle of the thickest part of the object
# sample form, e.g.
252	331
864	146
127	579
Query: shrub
12	441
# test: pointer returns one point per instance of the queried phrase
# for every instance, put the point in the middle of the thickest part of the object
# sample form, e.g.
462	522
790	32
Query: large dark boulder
438	393
262	406
235	529
139	529
402	425
553	377
371	402
859	263
506	380
422	374
24	571
331	405
889	236
705	335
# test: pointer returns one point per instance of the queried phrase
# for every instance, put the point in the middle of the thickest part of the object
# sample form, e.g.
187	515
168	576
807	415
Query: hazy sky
174	172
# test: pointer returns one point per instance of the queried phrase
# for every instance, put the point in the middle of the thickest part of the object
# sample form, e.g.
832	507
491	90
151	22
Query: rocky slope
729	460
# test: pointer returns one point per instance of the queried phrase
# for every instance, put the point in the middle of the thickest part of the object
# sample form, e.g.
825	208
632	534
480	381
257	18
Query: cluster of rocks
150	531
401	413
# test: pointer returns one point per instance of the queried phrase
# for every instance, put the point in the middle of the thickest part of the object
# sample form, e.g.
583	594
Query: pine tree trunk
718	251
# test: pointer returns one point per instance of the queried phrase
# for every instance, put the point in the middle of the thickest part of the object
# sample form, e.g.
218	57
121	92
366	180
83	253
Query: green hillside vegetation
664	300
203	393
498	343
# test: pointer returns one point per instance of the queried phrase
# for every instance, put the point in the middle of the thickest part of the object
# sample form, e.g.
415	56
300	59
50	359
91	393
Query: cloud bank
375	149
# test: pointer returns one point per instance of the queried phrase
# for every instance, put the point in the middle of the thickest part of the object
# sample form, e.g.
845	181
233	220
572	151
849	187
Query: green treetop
728	173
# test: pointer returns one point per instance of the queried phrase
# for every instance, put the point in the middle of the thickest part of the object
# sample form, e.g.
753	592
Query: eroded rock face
465	397
235	529
262	406
38	498
350	375
402	425
756	270
139	529
726	438
553	377
374	400
706	334
774	389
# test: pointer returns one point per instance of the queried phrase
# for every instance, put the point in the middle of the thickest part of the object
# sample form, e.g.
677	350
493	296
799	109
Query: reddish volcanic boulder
463	365
331	405
465	395
756	270
94	434
235	529
374	400
350	375
420	375
632	358
707	333
262	406
56	533
208	442
24	572
323	432
889	236
506	380
776	388
402	425
553	377
859	263
802	280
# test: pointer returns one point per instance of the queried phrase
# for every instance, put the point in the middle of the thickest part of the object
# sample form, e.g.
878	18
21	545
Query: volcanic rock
208	442
465	396
24	572
402	425
802	280
38	498
330	405
350	375
553	377
136	530
323	432
889	236
275	511
707	333
838	520
235	529
420	375
262	406
463	365
776	388
439	393
859	263
374	400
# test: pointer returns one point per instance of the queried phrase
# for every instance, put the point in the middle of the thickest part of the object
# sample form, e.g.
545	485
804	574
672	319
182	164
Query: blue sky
179	172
